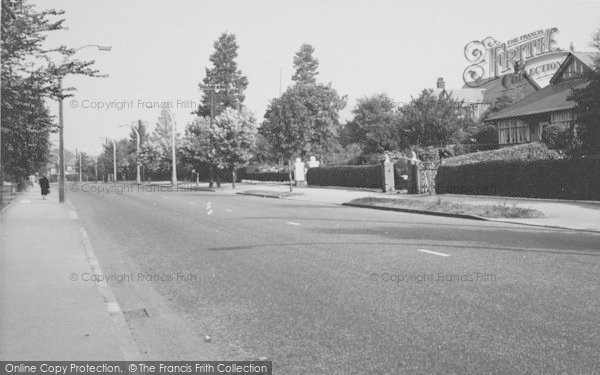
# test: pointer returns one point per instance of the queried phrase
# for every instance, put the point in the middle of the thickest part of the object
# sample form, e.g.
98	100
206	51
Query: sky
160	50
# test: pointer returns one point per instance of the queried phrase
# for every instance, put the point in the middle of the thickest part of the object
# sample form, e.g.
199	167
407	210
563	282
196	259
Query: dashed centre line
433	252
292	223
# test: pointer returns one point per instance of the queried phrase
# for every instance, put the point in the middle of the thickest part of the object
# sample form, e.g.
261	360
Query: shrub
564	179
267	176
365	176
556	136
526	151
487	135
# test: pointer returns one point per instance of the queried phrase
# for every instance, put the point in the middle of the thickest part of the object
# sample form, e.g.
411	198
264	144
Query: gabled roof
587	59
549	99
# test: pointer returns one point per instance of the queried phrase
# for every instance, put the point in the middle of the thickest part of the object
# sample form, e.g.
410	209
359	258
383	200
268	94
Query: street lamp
61	142
173	156
138	180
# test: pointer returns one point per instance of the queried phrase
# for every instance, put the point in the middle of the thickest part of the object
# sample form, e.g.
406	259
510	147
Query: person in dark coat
45	186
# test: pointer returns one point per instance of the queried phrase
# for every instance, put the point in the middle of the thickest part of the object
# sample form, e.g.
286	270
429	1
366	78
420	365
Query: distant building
524	121
476	101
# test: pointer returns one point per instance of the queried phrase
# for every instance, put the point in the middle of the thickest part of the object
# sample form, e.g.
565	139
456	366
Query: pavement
44	314
563	214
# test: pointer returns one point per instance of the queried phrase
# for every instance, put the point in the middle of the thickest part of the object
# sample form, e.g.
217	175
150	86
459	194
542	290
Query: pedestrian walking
44	186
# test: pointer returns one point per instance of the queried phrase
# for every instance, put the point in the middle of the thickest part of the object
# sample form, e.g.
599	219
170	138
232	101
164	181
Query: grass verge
269	193
484	210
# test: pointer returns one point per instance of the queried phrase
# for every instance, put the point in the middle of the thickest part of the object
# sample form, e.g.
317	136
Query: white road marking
228	211
209	212
26	201
292	223
433	252
73	215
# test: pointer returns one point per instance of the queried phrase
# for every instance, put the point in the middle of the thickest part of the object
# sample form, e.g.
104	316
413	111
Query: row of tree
29	76
225	135
305	120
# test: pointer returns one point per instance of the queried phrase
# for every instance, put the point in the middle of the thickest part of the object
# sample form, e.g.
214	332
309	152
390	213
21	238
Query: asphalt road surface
326	289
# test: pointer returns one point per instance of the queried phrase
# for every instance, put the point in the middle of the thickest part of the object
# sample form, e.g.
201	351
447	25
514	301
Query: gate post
387	175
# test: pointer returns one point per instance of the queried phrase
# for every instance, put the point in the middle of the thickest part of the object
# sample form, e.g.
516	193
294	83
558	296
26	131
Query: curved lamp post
61	142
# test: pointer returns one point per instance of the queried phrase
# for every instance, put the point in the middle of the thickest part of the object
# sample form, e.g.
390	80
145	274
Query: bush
365	176
527	151
267	176
564	179
487	135
556	136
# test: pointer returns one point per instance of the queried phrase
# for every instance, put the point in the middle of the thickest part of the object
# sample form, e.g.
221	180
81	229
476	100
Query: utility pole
80	174
61	142
138	179
212	88
61	146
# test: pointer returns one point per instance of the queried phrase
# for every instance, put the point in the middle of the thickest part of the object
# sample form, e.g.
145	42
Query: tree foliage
587	109
431	120
224	72
376	125
29	74
233	138
304	119
196	142
305	65
156	153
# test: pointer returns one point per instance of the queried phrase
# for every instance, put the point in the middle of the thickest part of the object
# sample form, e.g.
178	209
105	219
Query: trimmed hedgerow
267	176
562	178
524	152
363	176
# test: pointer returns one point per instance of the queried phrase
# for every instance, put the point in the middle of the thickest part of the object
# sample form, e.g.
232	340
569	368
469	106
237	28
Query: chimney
571	47
441	84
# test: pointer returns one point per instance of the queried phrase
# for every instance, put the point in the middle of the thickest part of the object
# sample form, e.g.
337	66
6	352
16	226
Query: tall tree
224	72
28	76
233	134
305	64
303	119
375	125
430	120
196	142
156	152
587	109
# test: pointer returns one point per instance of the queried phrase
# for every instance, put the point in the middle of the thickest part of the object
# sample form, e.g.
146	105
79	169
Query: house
478	100
525	120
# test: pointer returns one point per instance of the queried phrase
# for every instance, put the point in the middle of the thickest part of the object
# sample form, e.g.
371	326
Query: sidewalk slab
44	315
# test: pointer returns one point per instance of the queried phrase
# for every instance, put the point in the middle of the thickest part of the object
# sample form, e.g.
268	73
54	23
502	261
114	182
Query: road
326	289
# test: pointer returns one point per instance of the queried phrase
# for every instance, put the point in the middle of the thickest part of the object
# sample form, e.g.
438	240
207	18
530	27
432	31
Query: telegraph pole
211	89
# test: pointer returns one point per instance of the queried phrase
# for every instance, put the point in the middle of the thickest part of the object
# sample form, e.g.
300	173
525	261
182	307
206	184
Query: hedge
267	176
526	151
365	176
562	179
